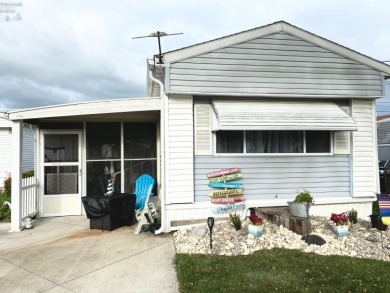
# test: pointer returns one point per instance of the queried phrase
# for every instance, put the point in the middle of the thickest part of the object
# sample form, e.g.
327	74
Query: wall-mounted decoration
223	172
226	192
226	185
225	178
227	199
229	207
217	179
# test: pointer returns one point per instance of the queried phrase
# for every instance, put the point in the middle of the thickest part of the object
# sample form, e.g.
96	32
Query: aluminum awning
280	115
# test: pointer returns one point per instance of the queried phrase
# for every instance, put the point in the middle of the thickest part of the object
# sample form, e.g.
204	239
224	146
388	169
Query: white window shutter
342	139
341	143
203	138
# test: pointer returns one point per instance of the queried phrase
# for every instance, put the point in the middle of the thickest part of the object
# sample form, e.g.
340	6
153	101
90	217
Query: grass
280	270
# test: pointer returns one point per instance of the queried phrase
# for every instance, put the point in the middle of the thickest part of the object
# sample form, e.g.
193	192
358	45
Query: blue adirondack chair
143	187
145	212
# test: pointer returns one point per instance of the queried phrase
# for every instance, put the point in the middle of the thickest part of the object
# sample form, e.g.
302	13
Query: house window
230	142
273	142
317	142
126	149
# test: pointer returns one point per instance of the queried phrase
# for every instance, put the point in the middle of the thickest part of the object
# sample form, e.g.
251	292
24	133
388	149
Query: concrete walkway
62	255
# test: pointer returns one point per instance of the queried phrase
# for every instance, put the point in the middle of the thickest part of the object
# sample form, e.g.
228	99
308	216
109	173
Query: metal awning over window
280	115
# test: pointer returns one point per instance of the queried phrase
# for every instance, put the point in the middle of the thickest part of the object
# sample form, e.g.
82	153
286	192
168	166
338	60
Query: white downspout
163	98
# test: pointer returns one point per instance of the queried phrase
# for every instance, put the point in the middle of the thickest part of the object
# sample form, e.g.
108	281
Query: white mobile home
290	109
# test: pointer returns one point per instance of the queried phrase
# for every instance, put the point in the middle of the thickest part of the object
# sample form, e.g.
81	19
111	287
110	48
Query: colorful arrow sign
225	178
223	172
227	199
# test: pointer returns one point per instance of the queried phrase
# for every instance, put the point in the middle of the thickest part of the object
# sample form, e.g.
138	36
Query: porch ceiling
89	110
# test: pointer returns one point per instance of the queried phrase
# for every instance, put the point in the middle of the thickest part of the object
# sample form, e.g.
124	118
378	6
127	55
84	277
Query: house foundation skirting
180	216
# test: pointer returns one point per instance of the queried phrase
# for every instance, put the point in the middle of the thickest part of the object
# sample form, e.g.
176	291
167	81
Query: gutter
163	98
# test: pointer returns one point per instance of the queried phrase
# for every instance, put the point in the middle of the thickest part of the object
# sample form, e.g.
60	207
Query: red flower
255	220
339	219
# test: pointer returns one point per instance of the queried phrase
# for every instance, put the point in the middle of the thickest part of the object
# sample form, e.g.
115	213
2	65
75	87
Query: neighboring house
6	149
291	109
383	129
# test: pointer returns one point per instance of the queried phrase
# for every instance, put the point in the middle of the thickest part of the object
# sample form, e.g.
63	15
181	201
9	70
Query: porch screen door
61	173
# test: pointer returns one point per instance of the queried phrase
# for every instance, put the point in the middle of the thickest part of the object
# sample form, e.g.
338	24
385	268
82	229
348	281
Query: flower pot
256	231
340	231
376	222
298	209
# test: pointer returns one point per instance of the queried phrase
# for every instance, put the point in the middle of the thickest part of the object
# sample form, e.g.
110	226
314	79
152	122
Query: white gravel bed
362	240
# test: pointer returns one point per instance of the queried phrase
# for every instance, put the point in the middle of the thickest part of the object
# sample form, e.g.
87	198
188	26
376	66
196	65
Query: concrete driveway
61	254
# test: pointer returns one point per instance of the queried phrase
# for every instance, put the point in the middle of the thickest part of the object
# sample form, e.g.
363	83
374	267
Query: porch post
16	175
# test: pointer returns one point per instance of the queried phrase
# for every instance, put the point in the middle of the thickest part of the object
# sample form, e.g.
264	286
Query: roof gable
272	29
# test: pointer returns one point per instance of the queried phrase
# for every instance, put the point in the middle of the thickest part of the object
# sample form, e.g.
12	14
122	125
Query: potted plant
300	206
340	224
376	218
256	225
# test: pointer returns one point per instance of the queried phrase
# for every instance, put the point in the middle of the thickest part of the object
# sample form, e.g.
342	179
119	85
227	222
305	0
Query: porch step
281	216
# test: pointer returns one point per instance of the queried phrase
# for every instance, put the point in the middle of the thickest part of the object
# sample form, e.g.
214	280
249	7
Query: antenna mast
157	35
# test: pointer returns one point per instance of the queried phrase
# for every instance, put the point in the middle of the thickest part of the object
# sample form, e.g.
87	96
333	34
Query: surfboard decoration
229	207
225	178
223	172
226	185
227	192
227	199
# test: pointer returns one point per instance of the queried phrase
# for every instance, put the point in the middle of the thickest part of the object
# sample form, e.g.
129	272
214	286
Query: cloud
68	51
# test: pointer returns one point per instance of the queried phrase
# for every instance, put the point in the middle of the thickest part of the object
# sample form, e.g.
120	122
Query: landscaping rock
313	239
362	241
199	231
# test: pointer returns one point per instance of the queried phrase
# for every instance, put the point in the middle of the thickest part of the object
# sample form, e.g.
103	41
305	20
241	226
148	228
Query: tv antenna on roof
158	35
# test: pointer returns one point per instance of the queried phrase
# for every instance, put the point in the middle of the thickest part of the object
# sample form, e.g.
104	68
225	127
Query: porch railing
29	197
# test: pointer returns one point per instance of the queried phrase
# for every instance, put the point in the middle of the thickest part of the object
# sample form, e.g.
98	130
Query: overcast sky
55	52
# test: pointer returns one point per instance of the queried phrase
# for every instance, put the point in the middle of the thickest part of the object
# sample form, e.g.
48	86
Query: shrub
5	211
304	196
375	208
352	215
7	186
236	221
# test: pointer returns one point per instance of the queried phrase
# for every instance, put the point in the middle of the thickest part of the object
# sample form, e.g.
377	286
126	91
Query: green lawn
281	270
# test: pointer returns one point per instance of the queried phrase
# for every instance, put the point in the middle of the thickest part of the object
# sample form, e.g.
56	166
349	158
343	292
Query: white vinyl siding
181	150
281	176
365	167
275	64
6	151
28	149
